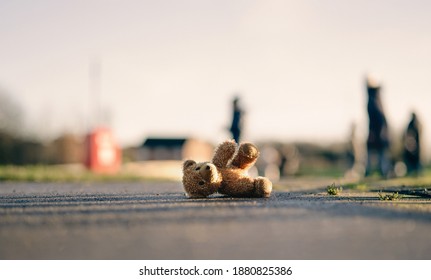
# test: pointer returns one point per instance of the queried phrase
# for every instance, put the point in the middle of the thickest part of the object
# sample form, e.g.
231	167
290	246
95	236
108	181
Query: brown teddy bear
226	174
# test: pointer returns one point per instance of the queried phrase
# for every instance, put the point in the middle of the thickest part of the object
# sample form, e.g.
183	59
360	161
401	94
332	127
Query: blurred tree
11	120
14	149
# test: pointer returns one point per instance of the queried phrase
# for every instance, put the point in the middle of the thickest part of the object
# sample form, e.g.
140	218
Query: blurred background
158	79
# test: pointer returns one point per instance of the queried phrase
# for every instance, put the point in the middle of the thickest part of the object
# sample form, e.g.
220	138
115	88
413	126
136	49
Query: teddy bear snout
208	172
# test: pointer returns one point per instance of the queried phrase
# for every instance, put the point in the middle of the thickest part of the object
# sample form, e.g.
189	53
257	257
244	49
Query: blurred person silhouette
351	153
237	120
282	164
289	160
411	145
355	166
378	136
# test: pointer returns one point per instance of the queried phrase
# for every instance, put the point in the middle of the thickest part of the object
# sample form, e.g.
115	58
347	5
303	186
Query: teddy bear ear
188	163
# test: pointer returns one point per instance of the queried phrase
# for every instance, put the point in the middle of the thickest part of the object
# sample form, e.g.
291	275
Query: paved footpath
154	220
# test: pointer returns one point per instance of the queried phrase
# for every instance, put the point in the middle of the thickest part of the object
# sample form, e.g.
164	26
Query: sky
171	67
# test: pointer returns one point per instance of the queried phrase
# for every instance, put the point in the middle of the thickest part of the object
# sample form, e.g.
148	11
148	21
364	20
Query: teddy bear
226	173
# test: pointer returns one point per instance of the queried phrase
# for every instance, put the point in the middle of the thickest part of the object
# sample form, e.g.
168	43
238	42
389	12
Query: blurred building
160	157
174	149
67	148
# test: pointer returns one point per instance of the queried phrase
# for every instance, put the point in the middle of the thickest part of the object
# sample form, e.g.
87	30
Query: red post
103	153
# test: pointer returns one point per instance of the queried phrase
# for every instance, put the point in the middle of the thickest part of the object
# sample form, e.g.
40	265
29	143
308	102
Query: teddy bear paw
263	187
249	150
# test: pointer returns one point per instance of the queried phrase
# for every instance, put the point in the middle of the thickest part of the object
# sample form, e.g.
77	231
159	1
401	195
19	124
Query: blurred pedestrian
411	145
237	120
352	147
378	136
354	156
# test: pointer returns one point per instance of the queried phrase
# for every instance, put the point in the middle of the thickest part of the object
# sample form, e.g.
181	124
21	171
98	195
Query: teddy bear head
200	179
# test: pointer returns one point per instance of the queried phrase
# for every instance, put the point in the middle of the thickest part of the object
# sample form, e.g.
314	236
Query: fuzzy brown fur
226	173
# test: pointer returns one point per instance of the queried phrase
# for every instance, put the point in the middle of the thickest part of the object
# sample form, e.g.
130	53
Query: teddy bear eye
208	167
201	183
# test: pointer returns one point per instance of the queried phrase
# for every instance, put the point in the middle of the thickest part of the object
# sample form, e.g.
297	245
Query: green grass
417	182
327	171
333	190
47	173
392	196
358	186
423	181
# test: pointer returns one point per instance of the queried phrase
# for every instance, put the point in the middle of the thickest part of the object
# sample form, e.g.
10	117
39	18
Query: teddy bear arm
246	156
224	153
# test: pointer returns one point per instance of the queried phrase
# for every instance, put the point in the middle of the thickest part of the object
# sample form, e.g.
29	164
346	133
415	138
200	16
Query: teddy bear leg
263	187
246	156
